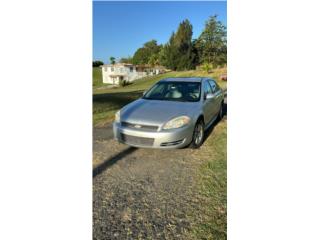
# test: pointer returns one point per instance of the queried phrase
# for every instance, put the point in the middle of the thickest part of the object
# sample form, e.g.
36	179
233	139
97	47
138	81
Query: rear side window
207	88
213	85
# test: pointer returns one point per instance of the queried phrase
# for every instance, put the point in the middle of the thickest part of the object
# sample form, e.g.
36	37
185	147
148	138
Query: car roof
184	79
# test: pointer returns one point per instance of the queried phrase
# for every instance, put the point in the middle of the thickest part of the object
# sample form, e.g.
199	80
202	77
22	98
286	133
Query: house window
112	69
121	69
131	69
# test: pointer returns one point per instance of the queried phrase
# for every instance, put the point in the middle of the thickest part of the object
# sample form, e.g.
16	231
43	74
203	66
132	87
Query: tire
198	135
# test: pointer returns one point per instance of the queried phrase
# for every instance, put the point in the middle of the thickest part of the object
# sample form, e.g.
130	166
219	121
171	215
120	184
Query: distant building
114	73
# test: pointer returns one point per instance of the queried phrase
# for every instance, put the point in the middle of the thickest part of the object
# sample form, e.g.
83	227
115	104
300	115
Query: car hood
156	112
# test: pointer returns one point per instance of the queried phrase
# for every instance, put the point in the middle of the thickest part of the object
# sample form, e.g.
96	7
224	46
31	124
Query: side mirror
209	96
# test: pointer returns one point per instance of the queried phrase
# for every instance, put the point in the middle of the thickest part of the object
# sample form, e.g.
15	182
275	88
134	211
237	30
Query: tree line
181	52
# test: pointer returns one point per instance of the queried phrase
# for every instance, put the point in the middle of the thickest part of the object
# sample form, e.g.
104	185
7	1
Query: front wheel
198	135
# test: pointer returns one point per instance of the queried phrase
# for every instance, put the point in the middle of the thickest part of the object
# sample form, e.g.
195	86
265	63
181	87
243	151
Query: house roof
118	65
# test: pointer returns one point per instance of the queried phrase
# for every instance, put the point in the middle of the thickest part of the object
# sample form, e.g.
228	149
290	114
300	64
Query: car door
208	104
217	92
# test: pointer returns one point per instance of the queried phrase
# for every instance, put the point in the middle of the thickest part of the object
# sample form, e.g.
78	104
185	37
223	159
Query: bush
124	83
97	63
207	67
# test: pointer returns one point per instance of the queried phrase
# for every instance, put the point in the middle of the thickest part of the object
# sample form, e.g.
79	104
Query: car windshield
175	91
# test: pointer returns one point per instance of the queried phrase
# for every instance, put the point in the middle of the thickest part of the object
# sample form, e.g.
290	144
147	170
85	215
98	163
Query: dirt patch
145	194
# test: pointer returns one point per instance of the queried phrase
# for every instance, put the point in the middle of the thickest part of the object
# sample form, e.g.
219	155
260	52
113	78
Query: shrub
207	67
124	83
97	63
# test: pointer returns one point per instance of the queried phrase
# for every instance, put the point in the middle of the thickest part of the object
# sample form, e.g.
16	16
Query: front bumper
164	139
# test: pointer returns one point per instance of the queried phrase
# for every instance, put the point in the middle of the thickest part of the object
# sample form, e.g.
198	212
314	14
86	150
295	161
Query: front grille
140	141
166	144
139	126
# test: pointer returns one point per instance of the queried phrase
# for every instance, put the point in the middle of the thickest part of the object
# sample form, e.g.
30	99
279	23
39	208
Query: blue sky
120	28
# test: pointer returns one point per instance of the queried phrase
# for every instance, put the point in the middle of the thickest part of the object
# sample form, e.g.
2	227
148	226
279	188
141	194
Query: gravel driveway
142	193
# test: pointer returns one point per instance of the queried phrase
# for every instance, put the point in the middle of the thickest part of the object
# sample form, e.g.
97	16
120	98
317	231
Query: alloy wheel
198	134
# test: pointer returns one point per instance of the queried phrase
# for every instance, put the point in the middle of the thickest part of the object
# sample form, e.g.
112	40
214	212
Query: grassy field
212	179
96	77
107	101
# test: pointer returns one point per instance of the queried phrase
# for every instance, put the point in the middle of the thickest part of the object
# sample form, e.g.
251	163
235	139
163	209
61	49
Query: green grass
213	186
97	76
209	220
106	104
107	101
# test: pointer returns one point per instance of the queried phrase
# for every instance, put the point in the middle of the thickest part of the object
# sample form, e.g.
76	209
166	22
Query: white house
114	73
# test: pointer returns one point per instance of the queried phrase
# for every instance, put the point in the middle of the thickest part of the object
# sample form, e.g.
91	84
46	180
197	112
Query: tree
212	43
169	54
183	40
154	60
126	60
143	55
179	52
97	63
112	60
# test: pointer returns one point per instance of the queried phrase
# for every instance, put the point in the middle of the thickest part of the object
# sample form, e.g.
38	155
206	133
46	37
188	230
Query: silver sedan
173	113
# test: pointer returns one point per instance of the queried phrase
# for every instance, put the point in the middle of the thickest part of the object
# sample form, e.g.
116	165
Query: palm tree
112	60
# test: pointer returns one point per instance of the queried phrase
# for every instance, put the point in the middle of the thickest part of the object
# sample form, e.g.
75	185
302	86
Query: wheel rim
198	134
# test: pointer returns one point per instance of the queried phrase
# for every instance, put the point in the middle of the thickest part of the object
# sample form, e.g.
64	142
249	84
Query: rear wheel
198	135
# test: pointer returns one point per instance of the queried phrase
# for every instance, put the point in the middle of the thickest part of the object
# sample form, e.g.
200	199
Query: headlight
117	117
177	122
